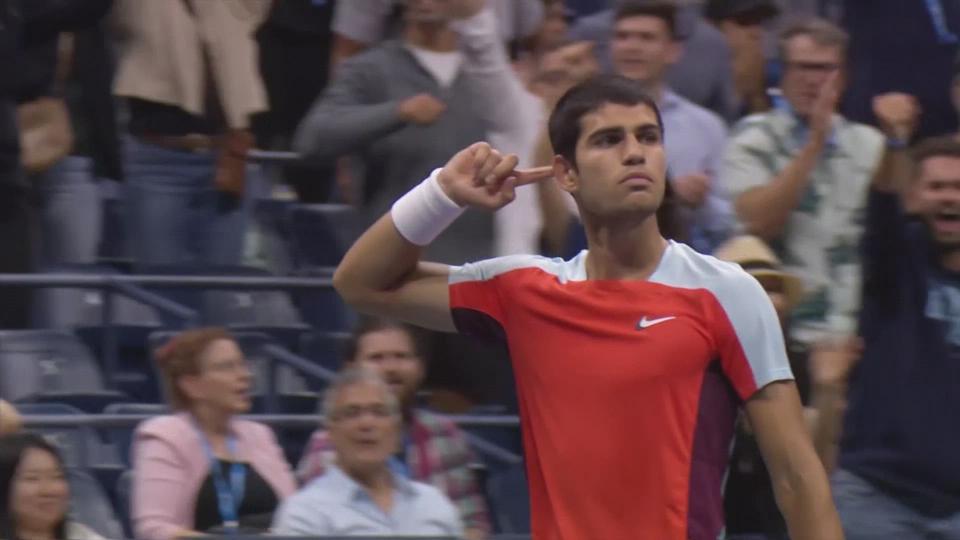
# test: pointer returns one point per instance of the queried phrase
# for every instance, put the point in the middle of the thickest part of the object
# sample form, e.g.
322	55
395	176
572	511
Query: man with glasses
798	177
362	495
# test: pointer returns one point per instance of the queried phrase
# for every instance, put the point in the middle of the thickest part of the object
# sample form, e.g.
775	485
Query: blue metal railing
132	287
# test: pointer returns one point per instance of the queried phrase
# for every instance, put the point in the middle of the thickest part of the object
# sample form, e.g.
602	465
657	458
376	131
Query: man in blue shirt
363	494
899	475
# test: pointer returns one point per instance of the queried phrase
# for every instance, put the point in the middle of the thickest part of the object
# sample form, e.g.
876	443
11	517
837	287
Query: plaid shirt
437	454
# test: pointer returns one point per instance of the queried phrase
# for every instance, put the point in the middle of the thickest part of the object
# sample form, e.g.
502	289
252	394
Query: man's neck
378	483
623	248
431	37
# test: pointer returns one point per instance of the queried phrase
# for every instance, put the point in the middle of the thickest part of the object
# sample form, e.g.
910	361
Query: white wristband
425	211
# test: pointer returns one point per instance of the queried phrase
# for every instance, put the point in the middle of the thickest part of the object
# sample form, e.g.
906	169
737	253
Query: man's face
938	199
643	48
364	429
427	11
621	166
744	37
392	354
807	66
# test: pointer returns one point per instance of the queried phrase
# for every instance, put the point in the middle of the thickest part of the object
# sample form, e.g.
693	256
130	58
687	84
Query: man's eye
609	139
650	137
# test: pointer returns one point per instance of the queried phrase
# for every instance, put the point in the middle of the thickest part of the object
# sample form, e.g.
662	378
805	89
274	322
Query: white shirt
444	66
335	504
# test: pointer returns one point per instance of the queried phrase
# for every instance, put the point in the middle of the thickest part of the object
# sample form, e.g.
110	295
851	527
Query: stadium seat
122	493
121	437
269	311
51	366
325	348
90	505
323	308
509	500
67	308
292	391
320	233
80	446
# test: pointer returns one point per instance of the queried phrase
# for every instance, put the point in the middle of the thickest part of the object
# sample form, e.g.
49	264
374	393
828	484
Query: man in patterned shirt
798	178
435	451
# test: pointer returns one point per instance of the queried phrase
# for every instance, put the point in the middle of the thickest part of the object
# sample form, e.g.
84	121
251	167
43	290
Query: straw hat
756	257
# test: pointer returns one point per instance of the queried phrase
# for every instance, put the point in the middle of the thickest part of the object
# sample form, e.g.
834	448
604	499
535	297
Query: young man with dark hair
434	450
639	348
899	475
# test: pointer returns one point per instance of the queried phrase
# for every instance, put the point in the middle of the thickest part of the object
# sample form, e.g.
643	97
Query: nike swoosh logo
647	323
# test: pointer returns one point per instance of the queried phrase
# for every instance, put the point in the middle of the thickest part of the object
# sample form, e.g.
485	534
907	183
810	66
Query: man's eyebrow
606	131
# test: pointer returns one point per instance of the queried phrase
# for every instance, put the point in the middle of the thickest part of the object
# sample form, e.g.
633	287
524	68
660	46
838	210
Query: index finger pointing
533	175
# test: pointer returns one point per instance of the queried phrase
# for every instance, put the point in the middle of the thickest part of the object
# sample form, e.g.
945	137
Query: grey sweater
358	115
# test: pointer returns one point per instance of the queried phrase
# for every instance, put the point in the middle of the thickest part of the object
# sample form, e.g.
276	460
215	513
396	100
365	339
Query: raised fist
898	114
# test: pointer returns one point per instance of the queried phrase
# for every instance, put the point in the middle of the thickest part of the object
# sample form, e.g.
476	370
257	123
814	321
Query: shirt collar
342	484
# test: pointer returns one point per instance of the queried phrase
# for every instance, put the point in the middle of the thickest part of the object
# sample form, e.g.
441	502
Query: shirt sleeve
744	165
885	242
475	302
748	335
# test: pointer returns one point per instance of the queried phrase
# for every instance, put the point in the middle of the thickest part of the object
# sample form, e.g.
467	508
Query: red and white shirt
628	389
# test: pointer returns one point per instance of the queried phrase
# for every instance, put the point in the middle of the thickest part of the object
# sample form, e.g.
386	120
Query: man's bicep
423	299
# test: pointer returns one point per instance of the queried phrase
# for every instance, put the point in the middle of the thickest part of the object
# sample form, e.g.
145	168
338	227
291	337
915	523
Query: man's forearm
894	173
766	209
828	401
807	505
330	131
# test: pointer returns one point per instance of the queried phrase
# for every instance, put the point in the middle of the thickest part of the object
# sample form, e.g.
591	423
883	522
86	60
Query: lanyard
939	19
229	496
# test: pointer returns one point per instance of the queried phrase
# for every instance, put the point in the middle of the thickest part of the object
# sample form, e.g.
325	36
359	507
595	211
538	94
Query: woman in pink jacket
202	469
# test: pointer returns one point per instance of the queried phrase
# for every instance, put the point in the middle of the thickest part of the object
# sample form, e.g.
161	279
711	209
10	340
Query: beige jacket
161	56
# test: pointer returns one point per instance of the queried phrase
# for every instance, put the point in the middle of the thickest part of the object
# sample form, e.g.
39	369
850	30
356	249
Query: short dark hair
821	31
368	325
661	9
584	98
12	449
944	145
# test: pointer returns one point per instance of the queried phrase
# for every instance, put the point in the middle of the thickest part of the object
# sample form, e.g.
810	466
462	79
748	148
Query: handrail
94	281
298	363
280	420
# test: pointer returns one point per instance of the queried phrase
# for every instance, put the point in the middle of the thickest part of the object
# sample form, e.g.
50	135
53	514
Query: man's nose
634	153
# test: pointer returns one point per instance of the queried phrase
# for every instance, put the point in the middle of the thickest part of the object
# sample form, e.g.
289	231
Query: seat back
90	505
64	308
37	362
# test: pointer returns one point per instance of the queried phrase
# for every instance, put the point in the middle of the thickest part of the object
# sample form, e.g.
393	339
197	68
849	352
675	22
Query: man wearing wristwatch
798	178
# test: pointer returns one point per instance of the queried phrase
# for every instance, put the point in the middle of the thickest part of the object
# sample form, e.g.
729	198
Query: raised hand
898	114
482	177
422	109
823	109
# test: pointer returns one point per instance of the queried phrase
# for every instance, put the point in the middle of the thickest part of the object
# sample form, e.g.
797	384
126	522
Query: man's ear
565	174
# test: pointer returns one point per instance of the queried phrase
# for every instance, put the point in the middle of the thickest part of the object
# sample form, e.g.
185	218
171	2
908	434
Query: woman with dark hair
34	494
202	469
